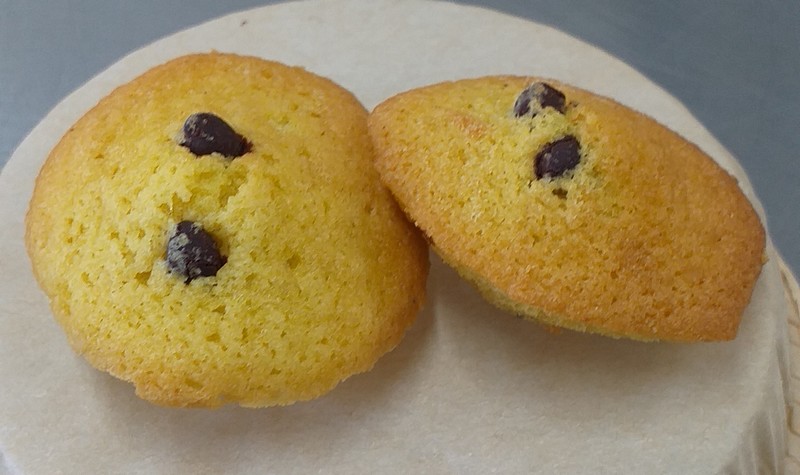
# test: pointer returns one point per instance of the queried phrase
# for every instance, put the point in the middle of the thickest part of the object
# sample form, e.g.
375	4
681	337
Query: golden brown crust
323	272
654	240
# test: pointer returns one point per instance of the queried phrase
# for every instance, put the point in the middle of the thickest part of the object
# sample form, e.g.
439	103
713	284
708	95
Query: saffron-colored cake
571	209
215	232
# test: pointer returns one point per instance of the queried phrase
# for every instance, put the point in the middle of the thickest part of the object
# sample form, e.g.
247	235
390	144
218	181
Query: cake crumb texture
321	274
645	238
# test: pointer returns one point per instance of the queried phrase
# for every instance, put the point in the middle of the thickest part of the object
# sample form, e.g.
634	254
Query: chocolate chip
544	94
192	252
205	133
556	158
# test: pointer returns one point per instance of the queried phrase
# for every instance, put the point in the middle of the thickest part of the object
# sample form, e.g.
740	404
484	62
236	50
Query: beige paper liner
793	395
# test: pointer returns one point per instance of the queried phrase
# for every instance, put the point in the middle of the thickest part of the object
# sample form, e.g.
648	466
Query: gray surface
734	64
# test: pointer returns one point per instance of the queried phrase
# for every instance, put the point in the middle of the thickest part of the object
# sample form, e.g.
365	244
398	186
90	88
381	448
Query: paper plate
471	389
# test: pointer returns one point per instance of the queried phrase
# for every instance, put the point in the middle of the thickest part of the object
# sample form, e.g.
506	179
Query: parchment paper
471	389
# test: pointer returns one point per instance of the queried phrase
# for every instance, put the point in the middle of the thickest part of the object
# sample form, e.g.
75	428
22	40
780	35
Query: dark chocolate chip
204	133
192	252
556	158
544	95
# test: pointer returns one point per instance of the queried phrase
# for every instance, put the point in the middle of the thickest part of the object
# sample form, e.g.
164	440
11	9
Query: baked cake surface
571	209
214	231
